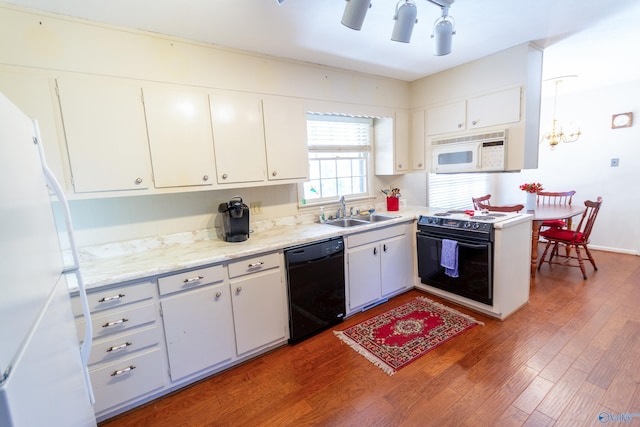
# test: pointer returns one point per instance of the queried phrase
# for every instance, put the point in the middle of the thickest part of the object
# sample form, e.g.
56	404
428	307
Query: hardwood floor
571	354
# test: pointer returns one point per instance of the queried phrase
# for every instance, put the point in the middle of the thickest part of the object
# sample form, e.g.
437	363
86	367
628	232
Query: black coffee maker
235	220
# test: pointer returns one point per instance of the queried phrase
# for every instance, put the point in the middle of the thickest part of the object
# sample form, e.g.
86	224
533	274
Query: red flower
534	187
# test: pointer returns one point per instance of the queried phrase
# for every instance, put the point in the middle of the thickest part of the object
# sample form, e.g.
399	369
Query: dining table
543	213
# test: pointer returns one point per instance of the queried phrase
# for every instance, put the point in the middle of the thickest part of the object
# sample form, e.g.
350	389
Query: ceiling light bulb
405	17
443	32
354	13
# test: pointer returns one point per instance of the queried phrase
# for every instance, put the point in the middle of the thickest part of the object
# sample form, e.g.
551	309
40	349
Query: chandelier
558	134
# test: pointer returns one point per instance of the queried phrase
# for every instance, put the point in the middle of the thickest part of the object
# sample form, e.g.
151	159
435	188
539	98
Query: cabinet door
494	109
364	275
417	140
446	118
238	137
401	141
285	128
198	327
393	265
180	140
106	134
259	307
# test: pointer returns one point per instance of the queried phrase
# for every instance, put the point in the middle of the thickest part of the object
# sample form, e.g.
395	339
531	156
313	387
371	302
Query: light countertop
119	262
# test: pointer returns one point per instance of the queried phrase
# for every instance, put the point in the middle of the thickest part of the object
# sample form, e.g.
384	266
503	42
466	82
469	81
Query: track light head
443	31
405	19
354	13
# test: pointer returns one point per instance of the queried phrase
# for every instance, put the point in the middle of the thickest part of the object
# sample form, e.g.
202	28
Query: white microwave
473	153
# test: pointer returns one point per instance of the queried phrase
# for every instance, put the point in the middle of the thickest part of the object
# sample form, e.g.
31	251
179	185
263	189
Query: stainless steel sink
380	217
346	222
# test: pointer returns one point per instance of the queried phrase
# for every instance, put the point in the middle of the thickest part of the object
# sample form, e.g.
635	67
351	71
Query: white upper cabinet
494	109
447	118
285	128
180	139
498	108
105	134
418	141
238	136
391	140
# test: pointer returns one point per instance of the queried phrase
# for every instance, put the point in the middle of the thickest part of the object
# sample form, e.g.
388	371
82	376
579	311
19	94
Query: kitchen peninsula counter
113	263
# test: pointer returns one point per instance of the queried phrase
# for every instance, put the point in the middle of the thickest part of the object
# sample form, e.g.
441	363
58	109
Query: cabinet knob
274	173
400	166
225	176
218	294
375	251
139	181
205	178
384	247
475	122
459	125
419	165
238	289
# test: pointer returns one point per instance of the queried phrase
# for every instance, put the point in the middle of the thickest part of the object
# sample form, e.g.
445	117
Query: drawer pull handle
193	279
123	371
111	298
118	347
256	264
115	323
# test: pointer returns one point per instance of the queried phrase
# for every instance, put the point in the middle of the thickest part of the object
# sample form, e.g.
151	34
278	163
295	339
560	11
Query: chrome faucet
342	212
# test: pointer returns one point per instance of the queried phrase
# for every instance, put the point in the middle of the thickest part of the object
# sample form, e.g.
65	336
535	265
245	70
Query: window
339	158
454	191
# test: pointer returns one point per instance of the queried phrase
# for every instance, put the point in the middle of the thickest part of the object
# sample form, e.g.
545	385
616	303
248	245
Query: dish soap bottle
322	218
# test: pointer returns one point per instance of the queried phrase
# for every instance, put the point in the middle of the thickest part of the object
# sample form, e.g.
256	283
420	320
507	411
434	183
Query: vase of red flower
532	193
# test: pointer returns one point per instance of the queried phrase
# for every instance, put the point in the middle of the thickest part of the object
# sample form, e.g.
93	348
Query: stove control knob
476	225
467	225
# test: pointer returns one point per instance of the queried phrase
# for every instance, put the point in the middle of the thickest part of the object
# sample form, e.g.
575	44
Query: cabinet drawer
126	379
374	236
254	264
118	321
122	345
115	297
190	279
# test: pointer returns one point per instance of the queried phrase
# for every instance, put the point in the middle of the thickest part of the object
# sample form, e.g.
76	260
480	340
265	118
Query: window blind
454	191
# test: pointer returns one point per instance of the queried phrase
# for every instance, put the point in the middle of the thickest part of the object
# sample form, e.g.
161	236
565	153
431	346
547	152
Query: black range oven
473	239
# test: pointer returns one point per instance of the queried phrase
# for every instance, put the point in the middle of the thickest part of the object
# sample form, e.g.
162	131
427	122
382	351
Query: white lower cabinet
378	263
198	328
259	300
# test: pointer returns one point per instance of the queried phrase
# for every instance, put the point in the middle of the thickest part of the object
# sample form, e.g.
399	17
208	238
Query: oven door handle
467	245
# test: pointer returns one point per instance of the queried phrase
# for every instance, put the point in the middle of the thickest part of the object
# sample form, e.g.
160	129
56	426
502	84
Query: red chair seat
556	223
564	235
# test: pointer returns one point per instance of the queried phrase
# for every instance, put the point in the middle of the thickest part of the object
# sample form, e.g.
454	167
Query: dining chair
478	200
551	198
505	208
578	238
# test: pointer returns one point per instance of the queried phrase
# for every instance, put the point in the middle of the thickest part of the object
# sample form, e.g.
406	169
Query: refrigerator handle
54	185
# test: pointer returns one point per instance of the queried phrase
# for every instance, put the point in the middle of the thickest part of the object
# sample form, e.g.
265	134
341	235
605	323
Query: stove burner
483	218
442	214
498	214
455	211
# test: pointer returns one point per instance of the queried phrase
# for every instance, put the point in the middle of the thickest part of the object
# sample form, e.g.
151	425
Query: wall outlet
615	162
255	207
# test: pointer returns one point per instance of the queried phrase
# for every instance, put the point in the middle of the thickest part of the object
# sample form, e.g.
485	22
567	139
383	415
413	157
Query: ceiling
310	30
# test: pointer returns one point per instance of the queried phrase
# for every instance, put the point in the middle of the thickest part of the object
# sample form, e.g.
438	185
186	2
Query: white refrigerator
43	373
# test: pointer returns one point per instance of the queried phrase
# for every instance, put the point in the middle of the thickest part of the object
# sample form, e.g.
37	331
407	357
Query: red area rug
394	339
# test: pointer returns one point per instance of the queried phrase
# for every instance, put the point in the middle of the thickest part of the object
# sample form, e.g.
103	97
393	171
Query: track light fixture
405	18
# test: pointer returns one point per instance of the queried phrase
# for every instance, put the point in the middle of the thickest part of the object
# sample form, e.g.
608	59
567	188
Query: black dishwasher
315	281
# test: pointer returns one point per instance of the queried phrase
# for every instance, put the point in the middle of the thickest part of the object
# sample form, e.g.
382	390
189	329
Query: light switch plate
614	163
